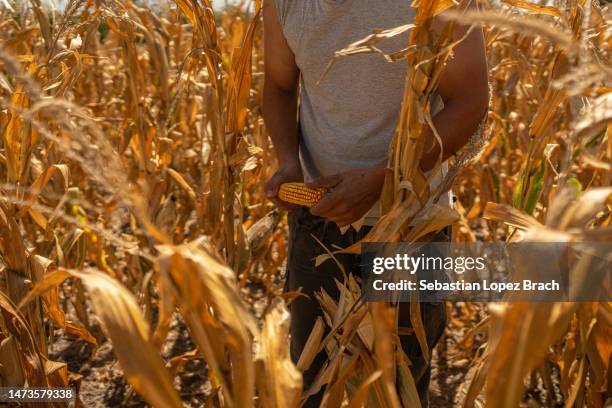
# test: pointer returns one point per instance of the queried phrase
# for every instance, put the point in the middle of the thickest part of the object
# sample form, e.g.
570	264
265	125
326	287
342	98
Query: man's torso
348	117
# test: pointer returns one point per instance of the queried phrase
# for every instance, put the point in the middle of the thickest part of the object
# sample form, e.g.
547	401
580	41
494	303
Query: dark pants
302	273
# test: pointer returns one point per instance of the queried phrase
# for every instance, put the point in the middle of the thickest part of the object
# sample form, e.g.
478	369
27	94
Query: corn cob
298	193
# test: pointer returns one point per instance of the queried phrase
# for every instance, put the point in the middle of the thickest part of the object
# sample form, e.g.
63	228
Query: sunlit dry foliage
132	161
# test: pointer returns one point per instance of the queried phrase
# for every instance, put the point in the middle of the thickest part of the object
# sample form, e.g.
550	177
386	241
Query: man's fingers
342	220
278	201
272	188
327	182
327	203
348	217
283	204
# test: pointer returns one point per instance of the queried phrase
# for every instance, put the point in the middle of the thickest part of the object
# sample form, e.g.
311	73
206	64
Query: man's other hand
285	174
352	194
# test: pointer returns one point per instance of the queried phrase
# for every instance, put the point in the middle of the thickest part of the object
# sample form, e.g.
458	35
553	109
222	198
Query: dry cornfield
134	227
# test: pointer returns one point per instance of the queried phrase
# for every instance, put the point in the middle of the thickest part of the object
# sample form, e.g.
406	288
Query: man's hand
352	194
284	174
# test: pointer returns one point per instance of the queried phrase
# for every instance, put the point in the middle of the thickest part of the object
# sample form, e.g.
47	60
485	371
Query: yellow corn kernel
298	193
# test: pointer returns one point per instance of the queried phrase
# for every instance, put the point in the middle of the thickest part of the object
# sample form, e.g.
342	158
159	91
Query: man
334	131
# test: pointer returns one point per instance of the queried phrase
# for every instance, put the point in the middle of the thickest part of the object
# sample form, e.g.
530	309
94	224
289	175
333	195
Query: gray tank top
348	119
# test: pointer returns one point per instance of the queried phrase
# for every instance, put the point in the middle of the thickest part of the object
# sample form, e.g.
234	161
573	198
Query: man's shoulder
290	9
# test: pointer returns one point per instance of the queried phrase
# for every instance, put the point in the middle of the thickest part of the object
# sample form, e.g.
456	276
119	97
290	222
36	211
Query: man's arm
464	89
280	101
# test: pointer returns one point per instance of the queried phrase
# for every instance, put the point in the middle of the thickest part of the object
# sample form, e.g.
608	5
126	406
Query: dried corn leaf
280	384
535	8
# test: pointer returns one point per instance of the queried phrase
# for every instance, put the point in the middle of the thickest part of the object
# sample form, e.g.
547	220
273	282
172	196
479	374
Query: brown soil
102	383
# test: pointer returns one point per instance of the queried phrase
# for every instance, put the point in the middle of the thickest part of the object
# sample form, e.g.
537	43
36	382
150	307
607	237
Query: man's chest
325	30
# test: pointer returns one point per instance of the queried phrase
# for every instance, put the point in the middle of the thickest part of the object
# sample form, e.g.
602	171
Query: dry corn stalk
560	193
